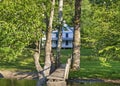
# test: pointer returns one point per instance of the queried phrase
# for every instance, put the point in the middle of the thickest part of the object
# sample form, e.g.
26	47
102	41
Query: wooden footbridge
59	76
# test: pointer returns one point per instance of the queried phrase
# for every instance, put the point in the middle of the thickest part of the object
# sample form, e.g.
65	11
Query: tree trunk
38	67
76	41
48	43
36	57
60	15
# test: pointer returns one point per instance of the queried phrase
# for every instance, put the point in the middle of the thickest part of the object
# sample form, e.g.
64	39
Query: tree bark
48	43
38	67
36	56
76	41
60	16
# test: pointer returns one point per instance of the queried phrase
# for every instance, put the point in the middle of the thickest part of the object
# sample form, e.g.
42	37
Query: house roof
65	29
64	39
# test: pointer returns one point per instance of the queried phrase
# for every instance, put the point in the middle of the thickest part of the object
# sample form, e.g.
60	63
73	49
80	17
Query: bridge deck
61	73
58	74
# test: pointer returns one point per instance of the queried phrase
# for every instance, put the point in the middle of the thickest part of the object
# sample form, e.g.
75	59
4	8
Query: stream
14	82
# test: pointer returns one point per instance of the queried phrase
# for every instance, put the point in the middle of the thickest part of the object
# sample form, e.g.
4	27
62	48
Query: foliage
20	23
100	27
68	11
108	42
87	28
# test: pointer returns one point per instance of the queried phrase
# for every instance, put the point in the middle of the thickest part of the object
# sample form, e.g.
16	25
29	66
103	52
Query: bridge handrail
67	68
64	69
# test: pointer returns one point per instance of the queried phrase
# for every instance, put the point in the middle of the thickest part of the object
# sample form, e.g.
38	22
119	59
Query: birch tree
60	16
48	42
76	41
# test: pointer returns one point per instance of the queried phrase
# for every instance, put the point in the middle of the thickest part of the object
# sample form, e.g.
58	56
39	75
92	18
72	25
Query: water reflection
11	82
92	84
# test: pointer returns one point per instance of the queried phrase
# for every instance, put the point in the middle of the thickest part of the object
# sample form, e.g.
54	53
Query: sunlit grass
93	69
90	66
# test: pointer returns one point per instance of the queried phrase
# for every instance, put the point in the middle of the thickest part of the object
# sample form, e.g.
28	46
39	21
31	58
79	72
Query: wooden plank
58	74
62	72
67	69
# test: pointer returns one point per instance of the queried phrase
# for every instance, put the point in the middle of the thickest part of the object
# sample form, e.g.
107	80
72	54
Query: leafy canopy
21	21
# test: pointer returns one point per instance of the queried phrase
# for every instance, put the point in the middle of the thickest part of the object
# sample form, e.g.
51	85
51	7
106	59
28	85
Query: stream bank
7	74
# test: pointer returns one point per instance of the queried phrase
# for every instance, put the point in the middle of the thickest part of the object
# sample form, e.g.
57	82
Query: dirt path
17	74
111	81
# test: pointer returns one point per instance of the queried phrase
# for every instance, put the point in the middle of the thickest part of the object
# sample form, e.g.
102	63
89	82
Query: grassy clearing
91	67
94	69
24	62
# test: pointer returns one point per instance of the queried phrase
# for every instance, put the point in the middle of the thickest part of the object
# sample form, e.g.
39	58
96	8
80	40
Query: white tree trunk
60	15
48	43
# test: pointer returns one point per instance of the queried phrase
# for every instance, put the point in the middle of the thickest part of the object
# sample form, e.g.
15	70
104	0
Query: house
67	37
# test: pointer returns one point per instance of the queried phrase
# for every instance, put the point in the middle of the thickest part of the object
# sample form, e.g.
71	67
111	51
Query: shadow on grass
24	75
17	65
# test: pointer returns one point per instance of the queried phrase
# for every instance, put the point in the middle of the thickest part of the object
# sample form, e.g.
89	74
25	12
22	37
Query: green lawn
91	67
94	69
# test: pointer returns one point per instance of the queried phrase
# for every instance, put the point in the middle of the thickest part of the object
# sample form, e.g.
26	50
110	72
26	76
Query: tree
100	27
48	42
68	12
107	16
36	57
59	45
76	41
20	23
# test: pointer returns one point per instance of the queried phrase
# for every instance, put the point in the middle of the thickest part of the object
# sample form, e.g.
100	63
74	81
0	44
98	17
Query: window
66	43
56	34
56	42
66	35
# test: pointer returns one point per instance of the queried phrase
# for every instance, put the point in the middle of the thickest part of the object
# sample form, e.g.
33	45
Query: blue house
67	37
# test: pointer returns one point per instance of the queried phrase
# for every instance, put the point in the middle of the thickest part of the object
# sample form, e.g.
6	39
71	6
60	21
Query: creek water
11	82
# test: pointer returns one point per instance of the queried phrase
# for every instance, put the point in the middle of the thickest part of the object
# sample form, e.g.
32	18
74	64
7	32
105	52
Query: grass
94	69
91	67
23	62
